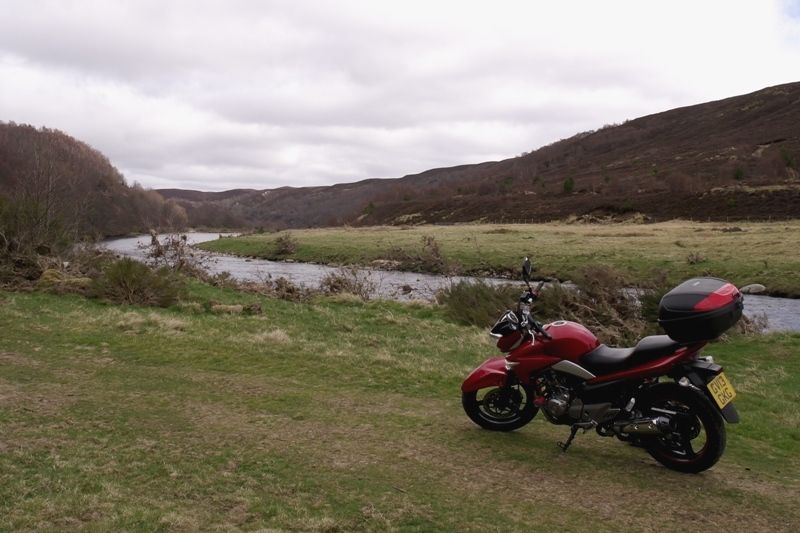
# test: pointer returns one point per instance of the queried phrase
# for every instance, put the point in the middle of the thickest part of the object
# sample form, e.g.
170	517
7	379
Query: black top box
700	309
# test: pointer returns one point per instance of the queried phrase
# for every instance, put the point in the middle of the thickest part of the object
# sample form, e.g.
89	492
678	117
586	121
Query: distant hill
732	158
55	188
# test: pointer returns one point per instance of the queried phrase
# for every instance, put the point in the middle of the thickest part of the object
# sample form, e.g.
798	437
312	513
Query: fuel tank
570	341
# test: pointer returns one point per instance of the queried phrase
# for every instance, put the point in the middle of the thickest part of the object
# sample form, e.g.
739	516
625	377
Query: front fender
491	373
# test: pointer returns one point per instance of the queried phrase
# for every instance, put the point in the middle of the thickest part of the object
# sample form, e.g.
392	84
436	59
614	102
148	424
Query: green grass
762	253
337	416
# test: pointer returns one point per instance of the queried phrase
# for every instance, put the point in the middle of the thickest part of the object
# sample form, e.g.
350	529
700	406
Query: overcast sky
214	95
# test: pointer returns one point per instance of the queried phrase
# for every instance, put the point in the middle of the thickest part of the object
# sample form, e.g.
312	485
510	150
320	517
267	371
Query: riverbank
783	314
335	415
744	253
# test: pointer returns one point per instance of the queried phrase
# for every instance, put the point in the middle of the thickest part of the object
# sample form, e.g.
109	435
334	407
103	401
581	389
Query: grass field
338	416
767	253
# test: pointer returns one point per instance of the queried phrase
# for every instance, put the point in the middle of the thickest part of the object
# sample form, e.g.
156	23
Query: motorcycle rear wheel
500	408
699	437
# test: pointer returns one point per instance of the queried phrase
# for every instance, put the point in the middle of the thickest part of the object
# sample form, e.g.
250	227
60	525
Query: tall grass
477	303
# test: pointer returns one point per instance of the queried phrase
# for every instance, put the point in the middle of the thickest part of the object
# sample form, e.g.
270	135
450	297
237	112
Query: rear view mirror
526	269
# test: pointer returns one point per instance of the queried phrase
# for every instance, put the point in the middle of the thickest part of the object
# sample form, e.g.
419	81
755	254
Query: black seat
604	360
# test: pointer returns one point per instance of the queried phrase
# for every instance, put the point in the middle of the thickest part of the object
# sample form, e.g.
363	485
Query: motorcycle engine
558	403
555	395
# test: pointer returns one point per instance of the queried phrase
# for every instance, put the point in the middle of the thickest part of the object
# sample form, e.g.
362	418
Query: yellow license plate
721	390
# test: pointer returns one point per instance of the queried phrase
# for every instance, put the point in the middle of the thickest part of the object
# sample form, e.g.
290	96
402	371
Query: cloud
215	95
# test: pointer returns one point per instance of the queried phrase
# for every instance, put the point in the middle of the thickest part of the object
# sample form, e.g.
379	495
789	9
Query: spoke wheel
696	438
500	408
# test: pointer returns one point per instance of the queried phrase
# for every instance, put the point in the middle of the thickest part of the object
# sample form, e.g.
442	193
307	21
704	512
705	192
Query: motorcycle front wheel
500	408
697	437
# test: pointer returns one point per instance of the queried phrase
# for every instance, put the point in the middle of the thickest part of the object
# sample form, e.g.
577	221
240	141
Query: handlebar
539	329
539	288
524	310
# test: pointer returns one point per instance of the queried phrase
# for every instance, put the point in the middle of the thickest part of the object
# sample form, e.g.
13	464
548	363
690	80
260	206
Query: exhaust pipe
645	426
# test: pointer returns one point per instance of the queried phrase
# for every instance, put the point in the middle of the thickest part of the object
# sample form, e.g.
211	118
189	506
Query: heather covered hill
54	188
733	158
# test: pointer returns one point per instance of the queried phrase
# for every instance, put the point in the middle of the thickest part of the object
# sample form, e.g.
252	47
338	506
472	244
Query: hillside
733	158
55	188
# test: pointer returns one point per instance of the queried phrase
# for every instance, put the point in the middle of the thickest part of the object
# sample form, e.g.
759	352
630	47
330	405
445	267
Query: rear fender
491	373
699	373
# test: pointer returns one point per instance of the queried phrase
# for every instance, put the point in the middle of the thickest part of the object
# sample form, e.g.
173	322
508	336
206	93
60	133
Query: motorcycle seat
604	360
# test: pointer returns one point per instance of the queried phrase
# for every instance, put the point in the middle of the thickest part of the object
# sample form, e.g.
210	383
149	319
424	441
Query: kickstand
573	430
564	445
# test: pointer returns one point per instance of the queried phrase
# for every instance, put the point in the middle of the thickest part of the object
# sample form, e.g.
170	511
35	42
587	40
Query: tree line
56	190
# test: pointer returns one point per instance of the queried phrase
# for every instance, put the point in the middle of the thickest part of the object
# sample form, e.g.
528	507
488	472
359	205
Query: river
783	314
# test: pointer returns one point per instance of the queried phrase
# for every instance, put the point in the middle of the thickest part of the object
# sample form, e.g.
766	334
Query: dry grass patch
276	336
384	356
181	521
12	358
48	399
225	309
191	307
138	323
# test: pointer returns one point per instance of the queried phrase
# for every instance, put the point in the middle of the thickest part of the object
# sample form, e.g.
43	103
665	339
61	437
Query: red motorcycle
661	394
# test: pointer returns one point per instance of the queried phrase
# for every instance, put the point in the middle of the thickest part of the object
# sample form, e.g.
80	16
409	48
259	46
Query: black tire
500	408
698	439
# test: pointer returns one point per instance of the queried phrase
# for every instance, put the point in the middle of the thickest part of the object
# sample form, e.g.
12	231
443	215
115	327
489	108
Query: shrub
223	279
286	290
569	185
19	270
477	303
432	254
601	301
129	282
286	244
30	225
275	288
174	252
86	260
428	259
751	325
348	280
788	158
64	273
504	186
694	258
